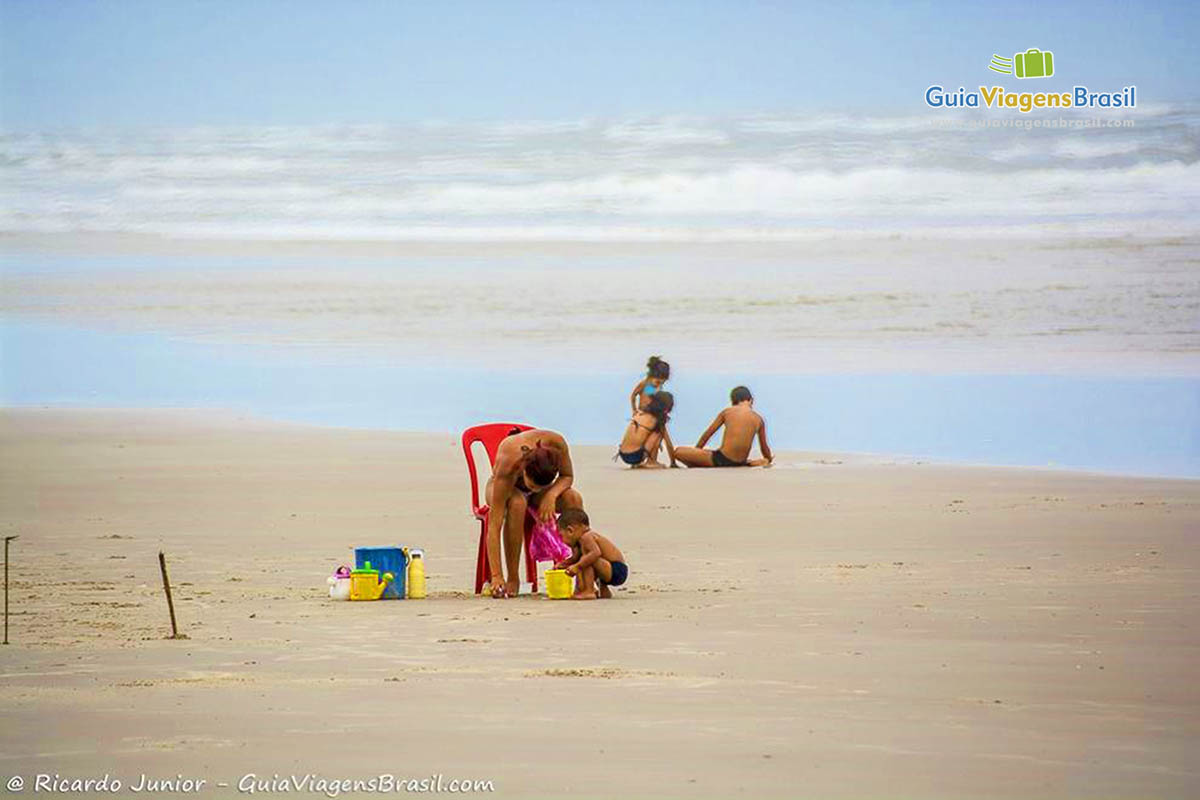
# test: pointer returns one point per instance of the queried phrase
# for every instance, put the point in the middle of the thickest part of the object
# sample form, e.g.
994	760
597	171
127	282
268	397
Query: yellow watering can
365	583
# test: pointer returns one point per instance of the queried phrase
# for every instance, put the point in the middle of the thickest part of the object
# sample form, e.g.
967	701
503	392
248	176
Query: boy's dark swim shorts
721	460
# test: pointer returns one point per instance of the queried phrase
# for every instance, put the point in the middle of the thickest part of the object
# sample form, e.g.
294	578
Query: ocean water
748	178
1148	426
885	284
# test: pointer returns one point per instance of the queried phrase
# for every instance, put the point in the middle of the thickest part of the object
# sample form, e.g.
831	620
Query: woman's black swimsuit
634	458
637	456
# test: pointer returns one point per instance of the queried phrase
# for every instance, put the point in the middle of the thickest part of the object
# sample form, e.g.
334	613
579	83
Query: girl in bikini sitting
646	431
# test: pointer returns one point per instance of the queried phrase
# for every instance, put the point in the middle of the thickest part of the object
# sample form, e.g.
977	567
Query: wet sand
933	302
833	627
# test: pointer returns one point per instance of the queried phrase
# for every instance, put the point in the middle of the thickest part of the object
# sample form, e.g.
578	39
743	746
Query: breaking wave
647	178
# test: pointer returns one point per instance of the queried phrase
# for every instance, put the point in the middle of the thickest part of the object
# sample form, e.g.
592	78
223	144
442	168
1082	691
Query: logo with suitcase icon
1033	63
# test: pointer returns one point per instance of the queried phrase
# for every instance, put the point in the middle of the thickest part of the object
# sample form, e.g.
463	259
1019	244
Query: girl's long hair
660	407
657	368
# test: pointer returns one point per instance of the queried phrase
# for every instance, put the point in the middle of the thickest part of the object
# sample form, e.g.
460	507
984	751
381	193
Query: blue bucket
385	559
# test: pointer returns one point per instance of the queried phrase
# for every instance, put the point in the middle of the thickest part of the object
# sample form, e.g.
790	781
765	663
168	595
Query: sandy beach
833	627
262	263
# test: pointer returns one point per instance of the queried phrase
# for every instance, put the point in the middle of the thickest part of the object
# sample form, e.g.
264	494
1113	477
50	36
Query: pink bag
546	543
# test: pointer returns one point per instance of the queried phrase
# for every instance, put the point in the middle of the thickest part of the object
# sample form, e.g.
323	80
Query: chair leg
483	572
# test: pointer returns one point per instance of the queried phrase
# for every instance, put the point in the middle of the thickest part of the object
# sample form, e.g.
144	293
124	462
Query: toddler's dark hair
740	394
573	516
657	368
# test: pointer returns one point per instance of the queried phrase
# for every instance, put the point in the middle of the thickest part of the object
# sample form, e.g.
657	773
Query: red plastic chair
491	435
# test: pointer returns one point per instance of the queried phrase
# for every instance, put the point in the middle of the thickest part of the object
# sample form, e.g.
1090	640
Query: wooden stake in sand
7	539
162	563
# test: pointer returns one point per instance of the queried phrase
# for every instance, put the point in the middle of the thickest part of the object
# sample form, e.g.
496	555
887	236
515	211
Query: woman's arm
716	426
670	446
566	477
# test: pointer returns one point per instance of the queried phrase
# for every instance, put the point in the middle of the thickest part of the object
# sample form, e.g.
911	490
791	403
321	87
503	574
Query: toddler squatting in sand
595	561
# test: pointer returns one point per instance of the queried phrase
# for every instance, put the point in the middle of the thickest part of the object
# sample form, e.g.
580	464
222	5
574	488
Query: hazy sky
170	62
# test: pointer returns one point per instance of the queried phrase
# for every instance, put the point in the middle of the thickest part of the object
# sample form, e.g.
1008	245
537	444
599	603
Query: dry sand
833	627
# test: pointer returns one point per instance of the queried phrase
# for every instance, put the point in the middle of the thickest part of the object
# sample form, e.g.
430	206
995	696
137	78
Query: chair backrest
490	436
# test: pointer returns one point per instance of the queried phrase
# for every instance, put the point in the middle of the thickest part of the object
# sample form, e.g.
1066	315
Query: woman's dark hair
543	465
740	394
660	406
657	368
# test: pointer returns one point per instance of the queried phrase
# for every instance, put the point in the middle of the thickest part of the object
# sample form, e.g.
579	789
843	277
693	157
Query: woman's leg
694	456
648	464
653	444
513	536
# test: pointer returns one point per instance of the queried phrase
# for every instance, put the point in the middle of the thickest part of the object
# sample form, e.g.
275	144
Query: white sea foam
665	133
764	175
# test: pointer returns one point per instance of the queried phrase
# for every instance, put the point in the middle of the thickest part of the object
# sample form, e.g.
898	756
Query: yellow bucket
558	584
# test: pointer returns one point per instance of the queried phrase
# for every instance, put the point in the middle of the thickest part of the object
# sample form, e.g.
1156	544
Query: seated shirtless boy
742	424
595	561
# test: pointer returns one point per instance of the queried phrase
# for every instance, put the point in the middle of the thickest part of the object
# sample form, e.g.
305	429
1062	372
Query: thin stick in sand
7	539
162	563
